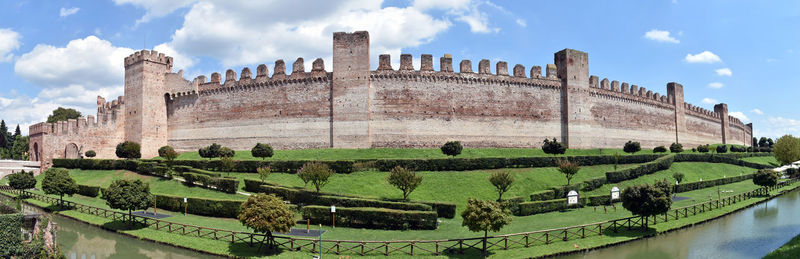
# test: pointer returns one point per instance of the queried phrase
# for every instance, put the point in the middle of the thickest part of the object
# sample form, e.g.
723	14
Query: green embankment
764	160
790	250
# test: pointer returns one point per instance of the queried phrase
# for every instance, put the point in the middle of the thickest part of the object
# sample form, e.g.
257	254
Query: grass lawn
766	160
789	250
409	153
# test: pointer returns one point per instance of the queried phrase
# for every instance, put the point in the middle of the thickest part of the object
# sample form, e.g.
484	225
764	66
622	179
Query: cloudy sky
743	53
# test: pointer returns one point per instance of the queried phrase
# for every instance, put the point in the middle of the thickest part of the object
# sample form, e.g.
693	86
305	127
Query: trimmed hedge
733	159
88	191
199	206
543	195
222	184
593	183
598	200
97	164
250	166
536	207
691	186
443	209
462	164
659	164
372	218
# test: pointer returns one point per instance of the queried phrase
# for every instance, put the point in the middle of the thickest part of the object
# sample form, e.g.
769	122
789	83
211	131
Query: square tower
145	103
350	127
572	67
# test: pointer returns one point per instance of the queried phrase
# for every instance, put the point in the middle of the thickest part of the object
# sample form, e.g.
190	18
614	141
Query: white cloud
68	11
715	85
757	111
91	62
522	22
778	126
724	72
441	4
710	101
703	57
179	60
155	8
9	41
740	116
466	11
660	36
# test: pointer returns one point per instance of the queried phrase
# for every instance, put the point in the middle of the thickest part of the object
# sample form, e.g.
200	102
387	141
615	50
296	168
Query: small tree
765	178
632	147
722	149
266	214
676	148
128	195
678	176
404	179
22	180
452	148
62	114
129	150
659	149
645	200
316	173
787	149
210	152
169	154
90	153
553	147
702	148
755	142
262	150
770	143
569	169
616	161
57	181
502	181
263	173
227	164
226	152
762	142
484	216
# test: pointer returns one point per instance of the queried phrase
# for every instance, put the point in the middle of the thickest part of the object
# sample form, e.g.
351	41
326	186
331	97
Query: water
78	240
750	233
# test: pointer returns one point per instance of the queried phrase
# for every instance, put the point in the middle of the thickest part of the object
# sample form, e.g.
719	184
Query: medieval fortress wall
355	107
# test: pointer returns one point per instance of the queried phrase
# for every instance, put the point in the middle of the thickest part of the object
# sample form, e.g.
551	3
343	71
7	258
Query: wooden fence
415	247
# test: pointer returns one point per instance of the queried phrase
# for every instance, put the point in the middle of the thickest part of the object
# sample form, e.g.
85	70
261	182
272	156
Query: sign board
614	193
184	199
572	197
333	209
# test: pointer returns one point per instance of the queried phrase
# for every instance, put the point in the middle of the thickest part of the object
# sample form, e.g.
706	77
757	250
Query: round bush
90	153
722	149
262	151
632	147
676	148
452	148
129	150
660	149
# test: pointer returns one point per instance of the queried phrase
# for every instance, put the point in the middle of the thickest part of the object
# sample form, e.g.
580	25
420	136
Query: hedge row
88	191
691	186
536	207
463	164
443	209
733	159
227	185
97	164
200	206
250	166
659	164
372	218
543	195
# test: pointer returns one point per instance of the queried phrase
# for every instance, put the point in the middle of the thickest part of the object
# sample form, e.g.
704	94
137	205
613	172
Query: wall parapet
147	55
634	93
262	78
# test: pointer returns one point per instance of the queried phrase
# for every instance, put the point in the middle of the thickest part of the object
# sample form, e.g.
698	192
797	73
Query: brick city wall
355	107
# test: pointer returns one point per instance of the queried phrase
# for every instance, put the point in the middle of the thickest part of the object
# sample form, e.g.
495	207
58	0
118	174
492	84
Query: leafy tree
553	147
227	164
128	195
4	143
57	181
316	173
678	176
263	173
659	149
452	148
168	153
20	148
62	114
90	153
266	214
646	200
262	150
787	150
702	148
676	148
404	179
722	149
632	147
226	152
17	132
663	185
755	142
762	142
770	143
211	151
22	180
765	178
129	150
502	181
484	216
569	169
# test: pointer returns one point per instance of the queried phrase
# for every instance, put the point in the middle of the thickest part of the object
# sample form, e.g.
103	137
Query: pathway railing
415	247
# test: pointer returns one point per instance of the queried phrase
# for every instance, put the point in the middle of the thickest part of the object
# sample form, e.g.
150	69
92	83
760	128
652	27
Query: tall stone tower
675	94
576	117
145	104
350	127
722	110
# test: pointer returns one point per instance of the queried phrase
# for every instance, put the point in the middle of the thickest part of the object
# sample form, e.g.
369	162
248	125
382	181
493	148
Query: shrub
659	149
201	206
226	164
553	147
168	153
702	148
536	207
787	149
691	186
632	147
226	152
443	209
659	164
568	169
405	180
593	183
129	150
262	150
765	178
88	191
263	173
128	195
22	180
543	195
722	149
484	216
502	181
678	176
227	185
317	173
90	153
57	181
646	200
676	148
210	152
462	164
738	149
372	218
266	214
452	148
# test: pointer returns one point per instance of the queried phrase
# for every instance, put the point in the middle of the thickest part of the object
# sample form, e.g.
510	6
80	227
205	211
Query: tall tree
4	135
62	114
22	180
762	142
646	200
787	149
57	181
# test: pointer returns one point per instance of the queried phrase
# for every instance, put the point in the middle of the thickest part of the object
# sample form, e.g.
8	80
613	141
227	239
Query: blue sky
743	53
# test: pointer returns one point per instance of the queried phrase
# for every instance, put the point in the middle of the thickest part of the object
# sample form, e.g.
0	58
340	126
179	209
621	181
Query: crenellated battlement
262	78
148	55
628	92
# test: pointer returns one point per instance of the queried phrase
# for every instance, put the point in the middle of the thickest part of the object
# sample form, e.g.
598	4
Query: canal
750	233
79	240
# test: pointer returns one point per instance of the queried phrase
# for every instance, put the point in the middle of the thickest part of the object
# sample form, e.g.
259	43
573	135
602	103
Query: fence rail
414	247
